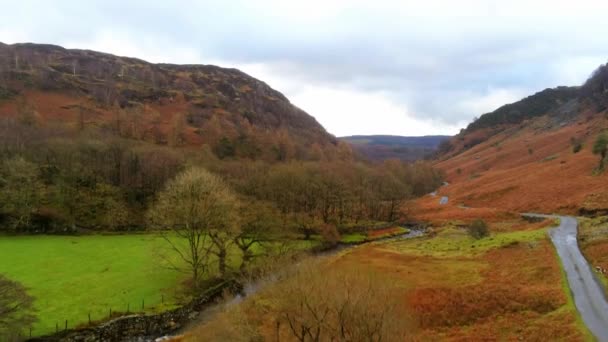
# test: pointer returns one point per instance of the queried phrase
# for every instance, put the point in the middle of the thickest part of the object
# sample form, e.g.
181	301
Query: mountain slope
534	162
237	115
382	147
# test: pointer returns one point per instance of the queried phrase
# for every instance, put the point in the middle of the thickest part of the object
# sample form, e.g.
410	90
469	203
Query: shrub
478	229
600	147
577	145
329	234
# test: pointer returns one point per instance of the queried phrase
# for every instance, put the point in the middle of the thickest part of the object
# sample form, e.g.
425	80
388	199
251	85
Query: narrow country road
588	294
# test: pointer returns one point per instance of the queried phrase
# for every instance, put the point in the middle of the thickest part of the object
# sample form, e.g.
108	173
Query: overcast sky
359	67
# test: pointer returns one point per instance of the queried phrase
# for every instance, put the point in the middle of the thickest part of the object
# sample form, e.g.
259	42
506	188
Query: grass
453	241
353	238
511	280
70	277
593	241
372	235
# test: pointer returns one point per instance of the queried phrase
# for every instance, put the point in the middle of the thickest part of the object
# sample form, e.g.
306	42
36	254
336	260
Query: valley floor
508	286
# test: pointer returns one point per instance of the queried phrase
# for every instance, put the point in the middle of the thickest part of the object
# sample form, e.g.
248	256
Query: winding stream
255	286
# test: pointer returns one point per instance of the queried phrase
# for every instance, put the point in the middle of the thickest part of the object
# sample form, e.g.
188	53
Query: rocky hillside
180	105
383	147
537	154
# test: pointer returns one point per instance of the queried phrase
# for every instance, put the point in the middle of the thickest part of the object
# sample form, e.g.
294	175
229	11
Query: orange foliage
487	297
382	232
529	169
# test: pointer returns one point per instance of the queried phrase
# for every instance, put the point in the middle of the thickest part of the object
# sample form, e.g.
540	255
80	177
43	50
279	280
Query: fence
119	326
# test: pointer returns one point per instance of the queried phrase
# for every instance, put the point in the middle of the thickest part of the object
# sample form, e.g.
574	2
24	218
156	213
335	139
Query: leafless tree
349	304
197	210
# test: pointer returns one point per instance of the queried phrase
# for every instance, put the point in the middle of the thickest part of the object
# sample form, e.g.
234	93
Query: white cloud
350	112
492	99
387	66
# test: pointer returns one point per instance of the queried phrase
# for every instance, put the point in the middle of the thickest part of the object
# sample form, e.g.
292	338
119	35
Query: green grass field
71	277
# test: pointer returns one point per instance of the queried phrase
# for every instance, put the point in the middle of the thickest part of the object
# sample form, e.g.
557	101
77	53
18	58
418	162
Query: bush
329	234
577	145
478	229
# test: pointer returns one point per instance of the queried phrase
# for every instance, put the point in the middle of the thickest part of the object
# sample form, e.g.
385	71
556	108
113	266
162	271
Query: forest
57	180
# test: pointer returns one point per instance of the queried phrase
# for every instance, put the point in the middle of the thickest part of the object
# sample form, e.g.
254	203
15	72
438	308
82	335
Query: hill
382	147
179	105
535	154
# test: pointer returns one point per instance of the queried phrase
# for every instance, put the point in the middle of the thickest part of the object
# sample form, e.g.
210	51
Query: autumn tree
259	222
600	147
176	133
199	211
16	310
19	191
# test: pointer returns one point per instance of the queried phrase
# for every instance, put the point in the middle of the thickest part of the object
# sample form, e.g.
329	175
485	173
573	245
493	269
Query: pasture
71	277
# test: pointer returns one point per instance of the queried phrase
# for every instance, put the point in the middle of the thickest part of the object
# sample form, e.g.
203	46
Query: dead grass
508	288
515	180
593	240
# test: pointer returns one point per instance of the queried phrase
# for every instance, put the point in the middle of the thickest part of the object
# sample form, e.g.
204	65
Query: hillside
180	105
382	147
535	154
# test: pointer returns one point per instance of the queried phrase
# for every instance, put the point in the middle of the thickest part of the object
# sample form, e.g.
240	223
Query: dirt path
586	289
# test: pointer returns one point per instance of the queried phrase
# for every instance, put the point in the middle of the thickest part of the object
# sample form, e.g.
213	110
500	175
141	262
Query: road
588	293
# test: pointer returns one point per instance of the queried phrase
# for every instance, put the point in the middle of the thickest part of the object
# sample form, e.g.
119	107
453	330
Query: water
255	286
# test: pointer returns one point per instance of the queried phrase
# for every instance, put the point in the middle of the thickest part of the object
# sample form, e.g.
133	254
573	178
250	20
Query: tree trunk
221	256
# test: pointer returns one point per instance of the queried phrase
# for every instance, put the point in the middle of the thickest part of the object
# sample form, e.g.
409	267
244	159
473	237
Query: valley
130	191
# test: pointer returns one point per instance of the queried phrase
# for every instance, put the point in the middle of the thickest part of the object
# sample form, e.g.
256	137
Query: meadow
507	286
71	277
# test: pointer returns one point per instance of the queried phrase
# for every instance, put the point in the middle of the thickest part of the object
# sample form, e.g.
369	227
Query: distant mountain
382	147
235	114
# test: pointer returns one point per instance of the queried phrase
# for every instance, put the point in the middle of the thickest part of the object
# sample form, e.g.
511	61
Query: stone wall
142	327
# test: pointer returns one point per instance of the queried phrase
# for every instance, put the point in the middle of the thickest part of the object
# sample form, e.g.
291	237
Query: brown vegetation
16	310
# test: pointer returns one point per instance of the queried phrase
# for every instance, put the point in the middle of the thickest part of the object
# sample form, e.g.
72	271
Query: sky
359	67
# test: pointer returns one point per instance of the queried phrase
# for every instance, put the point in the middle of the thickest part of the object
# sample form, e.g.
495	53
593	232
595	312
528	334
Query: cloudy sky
360	67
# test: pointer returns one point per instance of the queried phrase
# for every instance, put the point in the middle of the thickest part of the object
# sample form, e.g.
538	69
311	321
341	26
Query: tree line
56	179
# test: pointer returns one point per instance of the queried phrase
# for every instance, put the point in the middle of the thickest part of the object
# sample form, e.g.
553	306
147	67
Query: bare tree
196	209
259	221
344	305
16	310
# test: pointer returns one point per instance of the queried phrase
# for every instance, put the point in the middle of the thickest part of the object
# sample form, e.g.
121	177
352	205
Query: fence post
142	305
89	318
30	332
66	325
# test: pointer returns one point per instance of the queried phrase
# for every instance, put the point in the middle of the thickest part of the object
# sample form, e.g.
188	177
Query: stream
255	286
